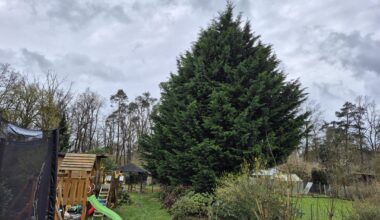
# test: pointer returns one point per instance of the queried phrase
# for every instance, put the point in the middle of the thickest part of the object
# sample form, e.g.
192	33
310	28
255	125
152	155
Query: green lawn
147	207
144	207
318	208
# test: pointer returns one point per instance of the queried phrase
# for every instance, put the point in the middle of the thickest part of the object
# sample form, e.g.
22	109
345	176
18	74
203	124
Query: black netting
28	166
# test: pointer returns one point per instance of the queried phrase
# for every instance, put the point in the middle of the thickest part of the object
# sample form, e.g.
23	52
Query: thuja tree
228	103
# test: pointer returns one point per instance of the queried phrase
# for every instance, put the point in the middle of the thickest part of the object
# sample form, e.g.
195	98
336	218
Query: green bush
125	198
319	177
191	205
170	194
109	164
242	197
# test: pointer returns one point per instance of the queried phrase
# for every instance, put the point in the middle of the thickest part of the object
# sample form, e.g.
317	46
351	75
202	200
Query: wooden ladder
103	198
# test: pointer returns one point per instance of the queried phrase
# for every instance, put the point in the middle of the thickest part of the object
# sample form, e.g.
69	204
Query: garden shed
134	175
274	173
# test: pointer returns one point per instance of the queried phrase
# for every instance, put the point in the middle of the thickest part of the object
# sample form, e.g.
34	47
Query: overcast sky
332	46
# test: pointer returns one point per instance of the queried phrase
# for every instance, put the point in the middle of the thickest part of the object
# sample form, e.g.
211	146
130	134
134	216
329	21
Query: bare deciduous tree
85	118
373	125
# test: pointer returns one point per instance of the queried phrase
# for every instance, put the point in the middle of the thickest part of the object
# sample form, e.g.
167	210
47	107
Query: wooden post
83	194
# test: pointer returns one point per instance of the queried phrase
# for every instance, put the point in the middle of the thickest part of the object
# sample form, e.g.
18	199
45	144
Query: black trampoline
28	171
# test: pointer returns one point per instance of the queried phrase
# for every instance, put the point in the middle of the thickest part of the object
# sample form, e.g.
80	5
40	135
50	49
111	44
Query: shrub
242	197
125	198
170	194
359	190
191	205
368	209
365	211
319	177
109	164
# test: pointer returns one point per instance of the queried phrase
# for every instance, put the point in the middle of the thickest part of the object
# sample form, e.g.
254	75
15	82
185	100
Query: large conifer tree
228	103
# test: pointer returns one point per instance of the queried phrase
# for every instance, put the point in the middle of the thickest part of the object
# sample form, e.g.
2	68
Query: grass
144	206
147	206
319	208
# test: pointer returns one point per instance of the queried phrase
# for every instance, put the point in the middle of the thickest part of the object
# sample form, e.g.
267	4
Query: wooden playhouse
77	176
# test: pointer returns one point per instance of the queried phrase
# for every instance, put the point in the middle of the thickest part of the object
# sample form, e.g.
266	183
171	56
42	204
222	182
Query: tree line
346	146
84	121
356	128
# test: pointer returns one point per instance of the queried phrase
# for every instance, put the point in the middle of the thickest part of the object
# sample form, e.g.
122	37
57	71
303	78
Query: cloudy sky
332	46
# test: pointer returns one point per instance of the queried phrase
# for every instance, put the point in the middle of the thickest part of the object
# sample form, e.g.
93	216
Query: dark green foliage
125	198
108	163
228	103
64	135
319	176
191	205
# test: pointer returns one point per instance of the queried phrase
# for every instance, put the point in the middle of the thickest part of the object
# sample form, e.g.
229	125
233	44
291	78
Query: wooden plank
78	166
79	158
66	191
78	161
80	191
79	155
76	169
75	191
84	199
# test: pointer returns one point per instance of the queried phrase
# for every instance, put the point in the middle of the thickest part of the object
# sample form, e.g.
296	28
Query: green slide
102	209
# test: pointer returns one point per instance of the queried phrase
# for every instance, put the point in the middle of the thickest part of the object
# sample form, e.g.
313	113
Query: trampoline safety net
28	171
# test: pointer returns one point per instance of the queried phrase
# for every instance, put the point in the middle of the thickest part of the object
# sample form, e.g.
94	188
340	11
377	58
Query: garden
231	137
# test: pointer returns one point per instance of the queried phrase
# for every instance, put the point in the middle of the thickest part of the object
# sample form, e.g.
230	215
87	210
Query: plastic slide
102	209
90	211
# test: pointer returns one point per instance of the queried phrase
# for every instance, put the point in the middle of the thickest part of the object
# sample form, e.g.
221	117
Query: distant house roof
132	168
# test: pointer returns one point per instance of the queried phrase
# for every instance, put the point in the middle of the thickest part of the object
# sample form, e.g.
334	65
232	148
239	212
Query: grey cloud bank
331	46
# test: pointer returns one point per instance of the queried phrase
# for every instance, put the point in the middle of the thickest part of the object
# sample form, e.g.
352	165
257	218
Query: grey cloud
72	12
329	45
6	56
77	65
78	14
32	58
73	65
119	14
353	50
201	4
326	90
